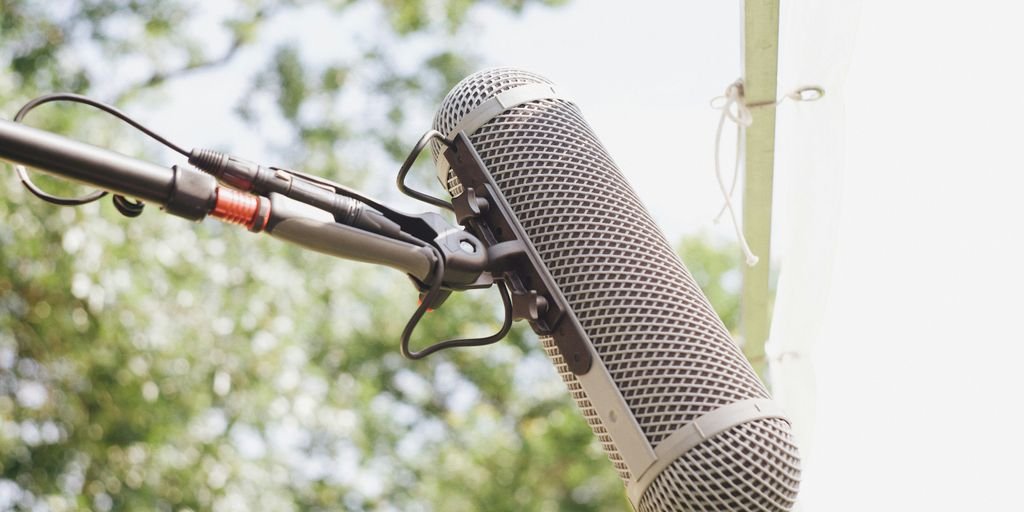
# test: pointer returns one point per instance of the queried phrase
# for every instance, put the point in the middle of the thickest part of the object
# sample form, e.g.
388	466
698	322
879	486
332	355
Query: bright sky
907	307
634	81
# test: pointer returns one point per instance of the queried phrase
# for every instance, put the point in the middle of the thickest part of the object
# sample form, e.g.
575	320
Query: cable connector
231	171
251	177
235	207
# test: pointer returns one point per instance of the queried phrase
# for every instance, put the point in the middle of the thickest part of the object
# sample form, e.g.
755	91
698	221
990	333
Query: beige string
735	109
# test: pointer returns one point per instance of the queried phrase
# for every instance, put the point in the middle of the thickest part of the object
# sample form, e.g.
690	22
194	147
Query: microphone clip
512	259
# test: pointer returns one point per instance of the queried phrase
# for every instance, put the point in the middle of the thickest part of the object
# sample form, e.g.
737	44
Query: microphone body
677	408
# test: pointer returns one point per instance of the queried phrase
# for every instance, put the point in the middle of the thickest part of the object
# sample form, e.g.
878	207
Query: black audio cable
232	171
124	205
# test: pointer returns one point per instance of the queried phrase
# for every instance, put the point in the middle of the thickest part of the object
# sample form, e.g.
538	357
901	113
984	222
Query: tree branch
238	40
160	77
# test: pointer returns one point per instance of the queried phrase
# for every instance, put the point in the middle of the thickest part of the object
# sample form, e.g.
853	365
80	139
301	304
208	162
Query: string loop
734	107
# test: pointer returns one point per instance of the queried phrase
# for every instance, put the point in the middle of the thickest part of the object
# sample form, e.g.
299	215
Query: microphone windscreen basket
666	351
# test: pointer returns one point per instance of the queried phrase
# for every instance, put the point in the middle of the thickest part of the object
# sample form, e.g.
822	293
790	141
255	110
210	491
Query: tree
151	364
715	266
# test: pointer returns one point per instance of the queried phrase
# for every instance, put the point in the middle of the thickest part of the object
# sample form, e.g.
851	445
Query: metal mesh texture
662	343
753	466
583	402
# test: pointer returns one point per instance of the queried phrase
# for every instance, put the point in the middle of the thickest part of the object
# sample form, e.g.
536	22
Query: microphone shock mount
511	258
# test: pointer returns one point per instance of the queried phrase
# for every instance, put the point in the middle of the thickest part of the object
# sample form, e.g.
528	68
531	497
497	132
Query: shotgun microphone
677	408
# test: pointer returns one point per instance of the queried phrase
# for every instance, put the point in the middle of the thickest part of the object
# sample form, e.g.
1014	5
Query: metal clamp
483	209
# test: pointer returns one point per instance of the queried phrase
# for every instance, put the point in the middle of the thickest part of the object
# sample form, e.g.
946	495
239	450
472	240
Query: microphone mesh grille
752	466
583	402
662	343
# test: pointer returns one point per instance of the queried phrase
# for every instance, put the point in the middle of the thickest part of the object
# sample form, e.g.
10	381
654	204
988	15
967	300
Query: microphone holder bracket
484	211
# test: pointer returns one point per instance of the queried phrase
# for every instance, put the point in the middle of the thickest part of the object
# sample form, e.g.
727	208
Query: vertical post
760	76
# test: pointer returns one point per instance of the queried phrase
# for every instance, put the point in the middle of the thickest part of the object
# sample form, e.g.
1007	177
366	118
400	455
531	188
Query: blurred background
151	364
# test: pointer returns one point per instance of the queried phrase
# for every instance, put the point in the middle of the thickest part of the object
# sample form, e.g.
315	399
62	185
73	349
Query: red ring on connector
236	207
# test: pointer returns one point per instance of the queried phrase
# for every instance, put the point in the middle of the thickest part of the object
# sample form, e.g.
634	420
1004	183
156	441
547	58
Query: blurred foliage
150	364
716	268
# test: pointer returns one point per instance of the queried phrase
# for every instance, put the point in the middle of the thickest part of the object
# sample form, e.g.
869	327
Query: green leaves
406	15
333	78
716	269
291	82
